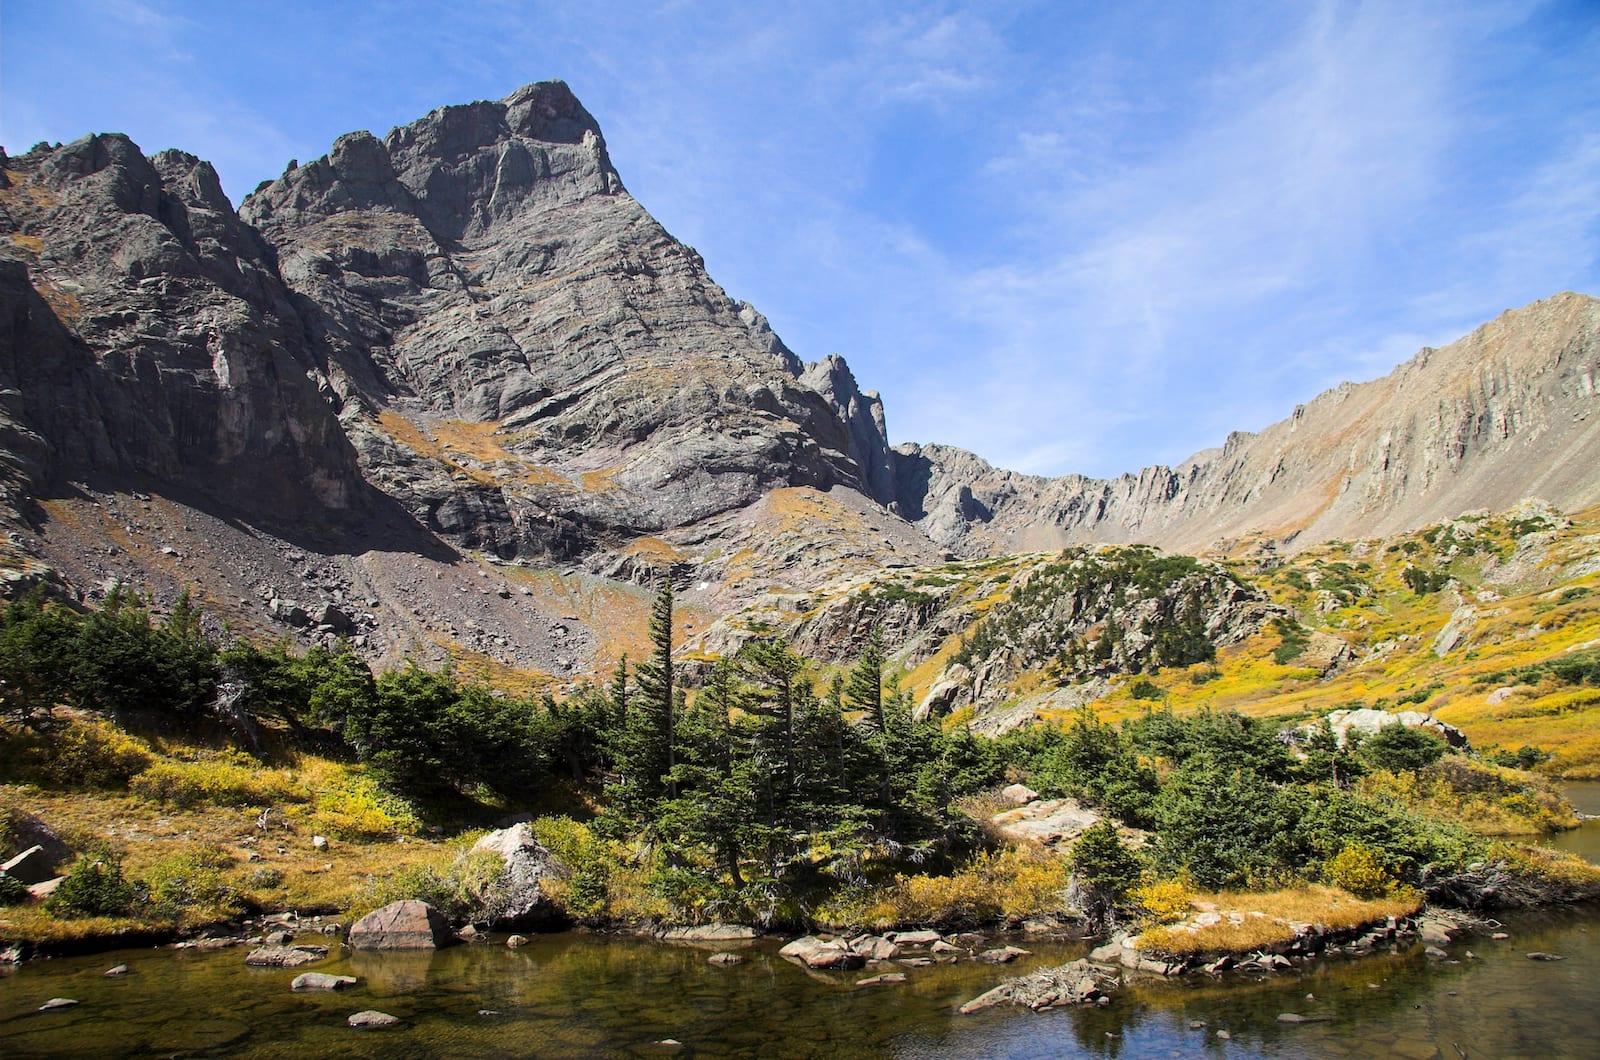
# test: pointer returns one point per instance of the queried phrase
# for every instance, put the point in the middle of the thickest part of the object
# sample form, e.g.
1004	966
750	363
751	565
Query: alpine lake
595	995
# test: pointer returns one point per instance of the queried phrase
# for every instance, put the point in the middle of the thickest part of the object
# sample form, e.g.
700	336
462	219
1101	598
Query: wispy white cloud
1067	237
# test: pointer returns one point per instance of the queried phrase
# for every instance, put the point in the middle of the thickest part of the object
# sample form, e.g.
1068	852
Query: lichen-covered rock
516	898
1045	821
1075	983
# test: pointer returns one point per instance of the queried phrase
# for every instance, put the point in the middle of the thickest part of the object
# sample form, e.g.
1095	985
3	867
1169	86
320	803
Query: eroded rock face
146	333
485	266
404	925
1451	429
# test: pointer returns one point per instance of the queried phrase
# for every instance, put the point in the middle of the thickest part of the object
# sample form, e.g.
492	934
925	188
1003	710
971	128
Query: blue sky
1068	236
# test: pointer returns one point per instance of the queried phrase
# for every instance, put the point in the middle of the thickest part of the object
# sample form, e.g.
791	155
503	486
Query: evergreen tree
864	690
618	694
774	671
716	781
646	752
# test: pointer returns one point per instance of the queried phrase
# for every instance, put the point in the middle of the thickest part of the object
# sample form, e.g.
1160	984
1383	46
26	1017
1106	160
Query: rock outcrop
483	273
516	897
1367	721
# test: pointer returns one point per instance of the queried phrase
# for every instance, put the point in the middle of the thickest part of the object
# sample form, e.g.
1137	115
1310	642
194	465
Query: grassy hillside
1362	624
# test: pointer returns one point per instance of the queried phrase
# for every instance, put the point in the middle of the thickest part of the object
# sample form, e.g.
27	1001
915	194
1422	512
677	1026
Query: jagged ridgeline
455	391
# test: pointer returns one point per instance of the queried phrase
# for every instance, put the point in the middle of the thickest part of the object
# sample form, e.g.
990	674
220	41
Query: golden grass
23	188
1016	882
32	244
600	480
31	923
653	548
1529	625
478	666
1268	918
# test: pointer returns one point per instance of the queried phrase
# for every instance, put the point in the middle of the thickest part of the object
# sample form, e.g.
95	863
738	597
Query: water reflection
584	995
595	996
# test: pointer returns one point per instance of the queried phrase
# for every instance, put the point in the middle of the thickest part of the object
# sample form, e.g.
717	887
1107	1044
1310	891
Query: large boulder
1367	721
405	925
817	953
31	866
28	831
1045	821
516	897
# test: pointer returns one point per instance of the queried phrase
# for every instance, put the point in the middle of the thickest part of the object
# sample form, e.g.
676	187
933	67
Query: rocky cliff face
459	346
456	384
489	288
146	336
1508	412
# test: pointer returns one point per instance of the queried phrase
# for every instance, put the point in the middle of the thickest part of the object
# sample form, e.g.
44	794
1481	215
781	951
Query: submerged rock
724	960
58	1002
116	970
710	933
321	981
882	980
372	1018
284	956
1003	955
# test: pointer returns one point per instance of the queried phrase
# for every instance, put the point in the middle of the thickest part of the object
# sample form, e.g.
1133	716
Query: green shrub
192	880
12	891
424	882
1360	870
1104	869
352	806
1422	582
1521	758
1144	689
95	886
1295	639
84	754
584	865
1401	748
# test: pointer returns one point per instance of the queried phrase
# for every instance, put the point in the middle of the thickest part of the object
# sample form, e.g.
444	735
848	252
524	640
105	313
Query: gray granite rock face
485	265
145	335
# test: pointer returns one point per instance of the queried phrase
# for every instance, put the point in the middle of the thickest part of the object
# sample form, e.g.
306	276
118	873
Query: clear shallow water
579	995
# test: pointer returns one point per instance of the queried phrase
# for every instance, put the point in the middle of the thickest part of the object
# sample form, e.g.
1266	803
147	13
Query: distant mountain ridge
403	376
1507	412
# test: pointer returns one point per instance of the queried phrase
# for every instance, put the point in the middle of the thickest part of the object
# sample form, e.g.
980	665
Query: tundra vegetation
190	775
